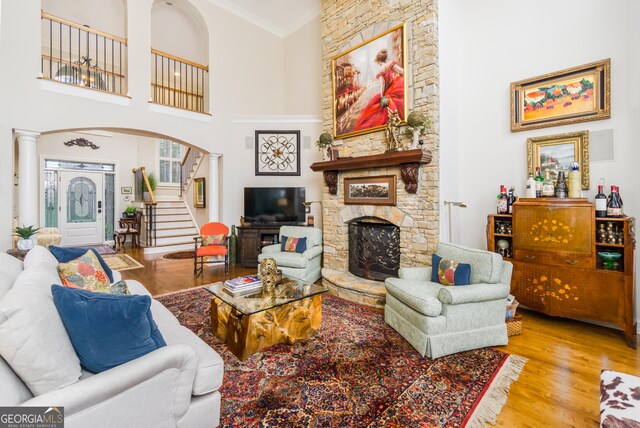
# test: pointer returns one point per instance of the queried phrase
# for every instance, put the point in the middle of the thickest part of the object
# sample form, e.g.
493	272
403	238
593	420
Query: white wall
105	15
175	32
246	78
303	69
496	43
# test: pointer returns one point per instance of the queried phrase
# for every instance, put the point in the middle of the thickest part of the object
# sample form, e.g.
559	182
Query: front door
82	219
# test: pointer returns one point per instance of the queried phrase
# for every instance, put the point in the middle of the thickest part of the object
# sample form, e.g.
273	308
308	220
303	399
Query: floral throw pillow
214	240
84	272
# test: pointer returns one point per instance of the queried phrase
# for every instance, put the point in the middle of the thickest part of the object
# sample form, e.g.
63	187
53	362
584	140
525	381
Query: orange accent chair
203	251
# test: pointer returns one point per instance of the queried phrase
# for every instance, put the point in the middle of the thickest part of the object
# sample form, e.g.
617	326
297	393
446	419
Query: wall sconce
455	204
307	209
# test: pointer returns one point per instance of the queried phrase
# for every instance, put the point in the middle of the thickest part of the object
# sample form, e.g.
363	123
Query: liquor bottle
539	182
510	200
561	186
614	207
502	204
548	189
530	191
619	197
601	202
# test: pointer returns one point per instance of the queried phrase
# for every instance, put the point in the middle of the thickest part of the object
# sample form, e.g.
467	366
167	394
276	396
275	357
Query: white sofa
174	386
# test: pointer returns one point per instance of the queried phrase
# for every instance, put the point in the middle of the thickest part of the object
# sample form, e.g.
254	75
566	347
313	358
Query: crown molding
256	20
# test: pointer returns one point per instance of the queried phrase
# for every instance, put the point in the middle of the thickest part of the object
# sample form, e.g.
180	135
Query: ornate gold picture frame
567	96
379	190
556	153
199	193
367	81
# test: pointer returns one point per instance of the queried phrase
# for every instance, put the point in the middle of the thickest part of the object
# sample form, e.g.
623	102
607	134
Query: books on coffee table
243	285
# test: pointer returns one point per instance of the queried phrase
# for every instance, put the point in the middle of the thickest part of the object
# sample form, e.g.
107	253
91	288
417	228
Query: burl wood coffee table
253	322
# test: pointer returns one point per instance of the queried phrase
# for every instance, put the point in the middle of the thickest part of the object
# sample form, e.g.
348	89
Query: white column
213	187
28	173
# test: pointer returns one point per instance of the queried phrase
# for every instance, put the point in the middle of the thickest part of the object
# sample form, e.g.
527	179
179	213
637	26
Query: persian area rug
121	262
355	372
102	249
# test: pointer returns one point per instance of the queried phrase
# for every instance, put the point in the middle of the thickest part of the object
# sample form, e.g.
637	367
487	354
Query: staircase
190	163
175	227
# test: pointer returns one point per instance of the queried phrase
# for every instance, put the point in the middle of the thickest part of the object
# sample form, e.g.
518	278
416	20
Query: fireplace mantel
409	161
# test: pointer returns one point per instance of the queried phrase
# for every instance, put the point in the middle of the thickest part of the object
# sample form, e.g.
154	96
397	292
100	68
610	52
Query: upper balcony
83	56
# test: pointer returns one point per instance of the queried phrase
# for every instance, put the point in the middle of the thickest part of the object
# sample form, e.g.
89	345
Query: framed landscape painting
573	95
557	152
368	81
199	195
380	190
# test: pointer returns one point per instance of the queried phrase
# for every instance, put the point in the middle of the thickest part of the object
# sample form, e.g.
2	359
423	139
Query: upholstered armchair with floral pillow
299	252
458	305
211	247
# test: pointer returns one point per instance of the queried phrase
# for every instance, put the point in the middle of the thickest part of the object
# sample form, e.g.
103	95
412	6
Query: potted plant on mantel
325	144
25	233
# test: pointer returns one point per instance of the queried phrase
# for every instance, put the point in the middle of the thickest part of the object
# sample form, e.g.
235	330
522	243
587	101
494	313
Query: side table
18	254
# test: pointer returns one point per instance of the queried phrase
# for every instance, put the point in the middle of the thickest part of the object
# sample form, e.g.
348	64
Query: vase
269	276
233	246
26	244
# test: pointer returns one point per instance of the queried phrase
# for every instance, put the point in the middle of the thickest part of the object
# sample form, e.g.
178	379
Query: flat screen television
274	205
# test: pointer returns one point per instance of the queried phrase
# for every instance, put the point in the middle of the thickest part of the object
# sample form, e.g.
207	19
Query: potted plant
324	143
153	183
417	126
25	233
130	212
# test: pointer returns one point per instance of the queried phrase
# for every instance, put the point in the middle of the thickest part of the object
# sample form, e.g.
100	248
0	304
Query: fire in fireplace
374	248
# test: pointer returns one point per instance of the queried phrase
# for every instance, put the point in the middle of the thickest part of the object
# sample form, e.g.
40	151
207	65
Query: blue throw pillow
65	255
107	330
460	273
293	245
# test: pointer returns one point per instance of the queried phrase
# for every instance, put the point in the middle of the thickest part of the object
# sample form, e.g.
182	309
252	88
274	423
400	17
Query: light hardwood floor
559	386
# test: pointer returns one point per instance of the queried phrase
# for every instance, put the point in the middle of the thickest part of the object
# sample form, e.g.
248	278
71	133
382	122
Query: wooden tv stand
251	239
557	269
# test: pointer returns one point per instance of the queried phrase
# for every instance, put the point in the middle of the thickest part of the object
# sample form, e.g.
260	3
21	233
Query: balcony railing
79	55
178	82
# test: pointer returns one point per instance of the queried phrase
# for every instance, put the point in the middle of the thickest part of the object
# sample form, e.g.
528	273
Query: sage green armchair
440	320
304	266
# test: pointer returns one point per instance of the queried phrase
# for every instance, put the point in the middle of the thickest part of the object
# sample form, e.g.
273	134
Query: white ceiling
279	17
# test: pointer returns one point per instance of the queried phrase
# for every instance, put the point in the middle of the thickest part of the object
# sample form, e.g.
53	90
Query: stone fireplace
374	248
415	214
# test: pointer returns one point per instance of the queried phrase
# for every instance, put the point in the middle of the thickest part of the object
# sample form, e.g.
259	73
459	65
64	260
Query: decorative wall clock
277	152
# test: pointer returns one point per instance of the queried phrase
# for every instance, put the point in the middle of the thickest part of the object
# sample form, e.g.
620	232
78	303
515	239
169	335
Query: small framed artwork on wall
199	193
126	190
568	96
556	153
277	152
380	190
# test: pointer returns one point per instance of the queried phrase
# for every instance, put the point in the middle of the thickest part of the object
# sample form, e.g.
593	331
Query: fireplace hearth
374	248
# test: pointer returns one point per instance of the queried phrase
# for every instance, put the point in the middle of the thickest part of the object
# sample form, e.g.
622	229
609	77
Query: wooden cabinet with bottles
567	262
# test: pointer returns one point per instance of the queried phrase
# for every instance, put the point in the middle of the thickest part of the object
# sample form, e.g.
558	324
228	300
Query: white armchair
304	266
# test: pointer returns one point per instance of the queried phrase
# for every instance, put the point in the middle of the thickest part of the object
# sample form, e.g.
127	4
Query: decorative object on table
233	246
130	212
126	190
417	126
122	262
615	207
504	248
277	153
601	201
488	367
392	132
573	95
18	254
601	234
25	234
380	190
610	260
310	220
555	153
561	190
278	276
575	181
268	275
358	73
81	142
199	193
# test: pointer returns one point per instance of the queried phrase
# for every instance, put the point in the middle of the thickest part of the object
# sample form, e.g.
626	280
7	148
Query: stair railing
188	161
143	192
